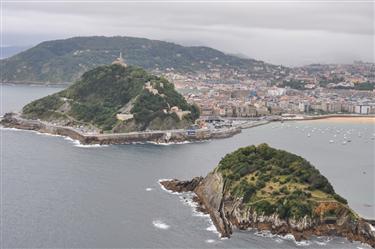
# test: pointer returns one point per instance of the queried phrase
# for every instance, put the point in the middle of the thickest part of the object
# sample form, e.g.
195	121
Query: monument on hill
120	61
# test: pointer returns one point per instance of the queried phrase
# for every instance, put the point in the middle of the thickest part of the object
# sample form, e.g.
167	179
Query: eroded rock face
181	186
210	192
228	213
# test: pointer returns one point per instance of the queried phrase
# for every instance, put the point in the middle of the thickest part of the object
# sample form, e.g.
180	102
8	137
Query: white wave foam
200	214
322	240
288	237
320	243
303	243
32	131
212	228
78	144
298	243
160	224
265	234
48	134
70	139
36	132
136	143
169	143
278	240
75	142
13	129
187	199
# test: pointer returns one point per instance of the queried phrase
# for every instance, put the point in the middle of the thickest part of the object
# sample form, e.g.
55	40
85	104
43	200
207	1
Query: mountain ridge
65	60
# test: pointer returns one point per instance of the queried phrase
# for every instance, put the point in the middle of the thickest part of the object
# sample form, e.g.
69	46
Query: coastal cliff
268	189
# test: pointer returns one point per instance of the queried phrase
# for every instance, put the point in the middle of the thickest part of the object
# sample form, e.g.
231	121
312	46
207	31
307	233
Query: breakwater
12	120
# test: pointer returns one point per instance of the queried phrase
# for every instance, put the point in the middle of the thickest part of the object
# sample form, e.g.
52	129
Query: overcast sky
279	32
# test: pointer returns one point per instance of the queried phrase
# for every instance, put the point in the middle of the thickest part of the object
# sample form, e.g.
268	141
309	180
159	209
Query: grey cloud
311	32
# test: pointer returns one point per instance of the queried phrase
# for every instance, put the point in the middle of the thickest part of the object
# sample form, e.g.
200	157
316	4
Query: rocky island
116	103
269	189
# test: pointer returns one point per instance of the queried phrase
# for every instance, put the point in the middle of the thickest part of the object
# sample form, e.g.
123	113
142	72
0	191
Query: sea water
56	193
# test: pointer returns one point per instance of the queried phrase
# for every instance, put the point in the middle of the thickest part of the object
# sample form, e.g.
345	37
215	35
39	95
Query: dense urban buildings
312	89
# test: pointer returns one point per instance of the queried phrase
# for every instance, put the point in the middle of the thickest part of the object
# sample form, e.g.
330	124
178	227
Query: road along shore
13	120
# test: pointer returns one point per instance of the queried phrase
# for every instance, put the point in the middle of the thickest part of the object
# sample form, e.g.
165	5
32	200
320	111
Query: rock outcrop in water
268	189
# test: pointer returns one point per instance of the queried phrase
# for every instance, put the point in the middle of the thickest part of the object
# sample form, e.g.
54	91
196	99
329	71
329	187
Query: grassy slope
275	181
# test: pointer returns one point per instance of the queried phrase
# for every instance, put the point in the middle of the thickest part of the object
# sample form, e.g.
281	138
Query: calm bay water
56	193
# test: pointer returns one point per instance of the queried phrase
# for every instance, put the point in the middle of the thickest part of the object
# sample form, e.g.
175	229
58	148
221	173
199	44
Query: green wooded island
116	104
115	98
269	189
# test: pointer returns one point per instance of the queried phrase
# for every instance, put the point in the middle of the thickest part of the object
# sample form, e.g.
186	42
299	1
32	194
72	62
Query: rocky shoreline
229	214
12	120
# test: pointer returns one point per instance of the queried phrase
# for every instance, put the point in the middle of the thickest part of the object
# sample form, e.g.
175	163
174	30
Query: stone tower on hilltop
120	61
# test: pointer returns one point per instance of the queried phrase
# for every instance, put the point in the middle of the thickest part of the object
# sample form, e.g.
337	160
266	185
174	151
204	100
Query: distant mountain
116	98
66	60
9	51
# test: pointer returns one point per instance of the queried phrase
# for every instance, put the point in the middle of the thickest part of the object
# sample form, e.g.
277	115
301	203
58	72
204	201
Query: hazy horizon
277	32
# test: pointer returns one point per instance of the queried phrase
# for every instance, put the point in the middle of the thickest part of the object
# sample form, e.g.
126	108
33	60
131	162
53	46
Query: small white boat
308	134
331	141
343	142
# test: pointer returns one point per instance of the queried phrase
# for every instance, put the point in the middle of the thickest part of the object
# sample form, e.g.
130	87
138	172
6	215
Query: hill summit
116	98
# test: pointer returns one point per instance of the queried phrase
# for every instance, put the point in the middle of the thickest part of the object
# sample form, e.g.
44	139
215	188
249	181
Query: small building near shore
124	117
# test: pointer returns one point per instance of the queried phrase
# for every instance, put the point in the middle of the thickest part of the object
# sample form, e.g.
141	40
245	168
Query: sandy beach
354	120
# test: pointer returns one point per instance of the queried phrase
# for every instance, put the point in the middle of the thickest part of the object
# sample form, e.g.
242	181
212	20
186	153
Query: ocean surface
57	193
